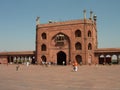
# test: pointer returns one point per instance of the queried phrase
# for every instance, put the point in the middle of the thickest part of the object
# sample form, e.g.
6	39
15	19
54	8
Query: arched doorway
101	59
61	58
43	58
79	59
108	59
114	59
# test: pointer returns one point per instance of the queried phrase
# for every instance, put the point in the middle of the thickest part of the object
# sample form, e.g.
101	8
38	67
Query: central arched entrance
61	58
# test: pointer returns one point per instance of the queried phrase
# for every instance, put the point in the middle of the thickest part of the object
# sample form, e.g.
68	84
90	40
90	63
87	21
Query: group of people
18	66
75	66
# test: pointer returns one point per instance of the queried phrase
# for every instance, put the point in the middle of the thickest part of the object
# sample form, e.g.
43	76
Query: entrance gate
61	58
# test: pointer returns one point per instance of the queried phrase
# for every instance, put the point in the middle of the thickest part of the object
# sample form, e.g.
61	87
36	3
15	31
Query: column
104	59
118	60
10	61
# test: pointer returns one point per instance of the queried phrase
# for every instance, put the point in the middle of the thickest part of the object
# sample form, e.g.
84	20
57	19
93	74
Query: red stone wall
3	60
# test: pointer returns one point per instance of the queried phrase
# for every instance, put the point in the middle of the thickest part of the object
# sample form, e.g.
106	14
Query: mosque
64	42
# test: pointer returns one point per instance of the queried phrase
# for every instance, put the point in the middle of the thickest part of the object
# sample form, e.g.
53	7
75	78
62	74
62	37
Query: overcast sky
17	20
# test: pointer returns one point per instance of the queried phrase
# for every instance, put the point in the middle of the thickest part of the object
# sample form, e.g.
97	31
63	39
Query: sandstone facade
64	42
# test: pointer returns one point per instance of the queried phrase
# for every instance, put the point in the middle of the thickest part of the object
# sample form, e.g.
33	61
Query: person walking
17	67
75	66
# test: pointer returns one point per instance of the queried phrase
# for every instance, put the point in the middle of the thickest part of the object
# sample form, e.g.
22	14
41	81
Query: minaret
95	18
84	11
37	20
91	15
36	53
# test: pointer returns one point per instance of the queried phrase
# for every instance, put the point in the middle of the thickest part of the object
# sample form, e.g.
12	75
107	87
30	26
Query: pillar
91	15
118	60
104	59
96	59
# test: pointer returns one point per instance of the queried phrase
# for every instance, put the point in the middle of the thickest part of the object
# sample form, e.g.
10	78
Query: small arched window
89	34
44	36
89	46
43	47
77	33
78	46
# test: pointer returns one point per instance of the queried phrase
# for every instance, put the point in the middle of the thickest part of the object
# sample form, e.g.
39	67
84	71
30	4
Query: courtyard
36	77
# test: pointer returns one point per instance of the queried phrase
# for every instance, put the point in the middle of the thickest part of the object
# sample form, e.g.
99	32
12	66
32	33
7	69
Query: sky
18	20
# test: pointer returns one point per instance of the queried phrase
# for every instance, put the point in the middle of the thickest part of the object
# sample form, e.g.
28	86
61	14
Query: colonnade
21	59
109	59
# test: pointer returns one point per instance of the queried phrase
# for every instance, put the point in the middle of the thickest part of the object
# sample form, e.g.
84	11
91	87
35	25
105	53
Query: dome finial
37	20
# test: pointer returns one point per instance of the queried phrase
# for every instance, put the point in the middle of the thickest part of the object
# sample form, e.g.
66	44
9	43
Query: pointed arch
78	33
60	33
60	39
89	46
44	36
78	59
114	59
44	59
89	33
43	47
61	58
78	46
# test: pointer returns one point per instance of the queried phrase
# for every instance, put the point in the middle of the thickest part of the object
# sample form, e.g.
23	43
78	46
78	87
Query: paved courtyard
37	77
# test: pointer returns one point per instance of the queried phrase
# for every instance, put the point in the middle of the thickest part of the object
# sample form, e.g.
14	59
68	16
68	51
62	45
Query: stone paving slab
36	77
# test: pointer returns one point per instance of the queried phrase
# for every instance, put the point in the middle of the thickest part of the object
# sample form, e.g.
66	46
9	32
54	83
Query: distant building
64	42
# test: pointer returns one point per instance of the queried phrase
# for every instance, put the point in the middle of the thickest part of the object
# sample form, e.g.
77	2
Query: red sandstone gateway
64	42
59	42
